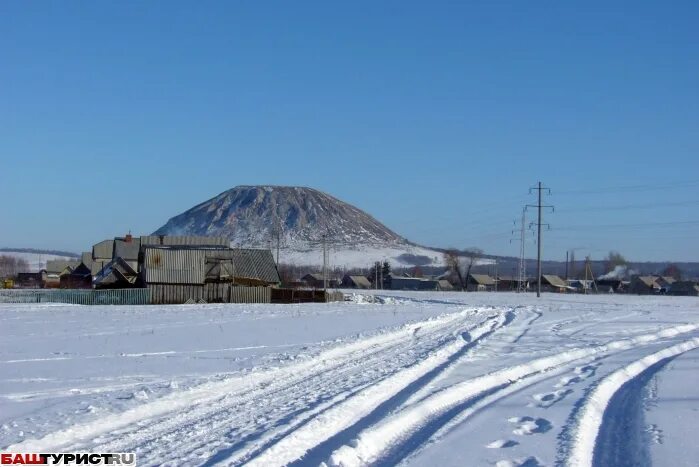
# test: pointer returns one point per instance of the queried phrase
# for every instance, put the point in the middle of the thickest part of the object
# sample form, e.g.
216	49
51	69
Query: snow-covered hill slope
37	261
302	218
401	378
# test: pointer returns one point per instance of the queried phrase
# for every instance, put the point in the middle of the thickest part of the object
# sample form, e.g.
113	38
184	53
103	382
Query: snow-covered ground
403	378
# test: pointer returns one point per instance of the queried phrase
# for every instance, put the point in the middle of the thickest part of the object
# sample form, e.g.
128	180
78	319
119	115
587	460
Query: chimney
128	237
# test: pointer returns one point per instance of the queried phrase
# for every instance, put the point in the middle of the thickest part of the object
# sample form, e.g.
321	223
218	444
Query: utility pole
381	278
521	286
496	275
566	266
522	273
539	188
278	241
325	265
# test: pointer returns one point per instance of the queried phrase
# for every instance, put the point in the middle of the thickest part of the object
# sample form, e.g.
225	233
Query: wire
631	188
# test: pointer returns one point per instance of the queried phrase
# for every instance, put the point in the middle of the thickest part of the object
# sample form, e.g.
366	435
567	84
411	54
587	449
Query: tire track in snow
312	443
592	414
174	419
397	436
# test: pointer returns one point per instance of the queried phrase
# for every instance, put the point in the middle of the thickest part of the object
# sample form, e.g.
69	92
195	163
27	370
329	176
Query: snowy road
418	379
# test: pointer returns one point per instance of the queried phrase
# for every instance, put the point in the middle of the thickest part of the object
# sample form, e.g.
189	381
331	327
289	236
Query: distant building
79	278
30	280
509	283
444	285
665	283
355	282
684	288
553	283
315	281
480	283
56	268
394	282
644	285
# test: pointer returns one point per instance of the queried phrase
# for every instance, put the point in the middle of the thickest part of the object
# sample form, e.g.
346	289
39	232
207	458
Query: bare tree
11	265
472	257
461	262
614	259
453	262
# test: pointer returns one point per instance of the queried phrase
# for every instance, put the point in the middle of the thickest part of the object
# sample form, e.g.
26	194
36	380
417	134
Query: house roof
116	270
554	280
127	250
313	276
648	281
254	264
482	279
58	266
445	285
359	281
103	249
183	240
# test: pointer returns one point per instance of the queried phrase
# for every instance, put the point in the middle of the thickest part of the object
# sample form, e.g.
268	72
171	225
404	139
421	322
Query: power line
623	226
632	188
629	206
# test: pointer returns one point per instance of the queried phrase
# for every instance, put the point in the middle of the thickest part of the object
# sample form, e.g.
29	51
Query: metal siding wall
251	295
78	297
174	266
174	294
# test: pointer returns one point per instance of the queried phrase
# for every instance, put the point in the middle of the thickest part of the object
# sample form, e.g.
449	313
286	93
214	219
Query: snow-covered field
408	378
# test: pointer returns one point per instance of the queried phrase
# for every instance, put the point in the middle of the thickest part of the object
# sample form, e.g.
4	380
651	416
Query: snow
356	257
405	378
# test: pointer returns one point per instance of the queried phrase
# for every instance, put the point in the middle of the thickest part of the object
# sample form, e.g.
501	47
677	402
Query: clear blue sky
433	117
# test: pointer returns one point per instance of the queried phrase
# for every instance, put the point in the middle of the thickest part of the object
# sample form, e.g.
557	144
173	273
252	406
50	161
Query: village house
480	283
355	282
553	283
30	280
644	285
315	281
78	278
510	283
55	268
394	282
684	288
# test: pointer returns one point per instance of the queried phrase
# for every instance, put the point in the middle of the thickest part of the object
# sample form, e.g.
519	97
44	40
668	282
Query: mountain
251	216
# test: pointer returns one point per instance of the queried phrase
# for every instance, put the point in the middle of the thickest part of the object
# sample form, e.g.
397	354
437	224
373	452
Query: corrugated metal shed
103	250
173	266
